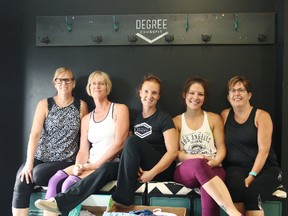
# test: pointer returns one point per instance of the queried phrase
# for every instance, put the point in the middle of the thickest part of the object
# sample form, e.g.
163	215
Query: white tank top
199	141
101	135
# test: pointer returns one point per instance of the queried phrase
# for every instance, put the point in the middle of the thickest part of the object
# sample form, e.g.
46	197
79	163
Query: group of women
236	171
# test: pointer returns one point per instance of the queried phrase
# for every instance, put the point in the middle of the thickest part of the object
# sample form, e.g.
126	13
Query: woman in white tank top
202	150
106	128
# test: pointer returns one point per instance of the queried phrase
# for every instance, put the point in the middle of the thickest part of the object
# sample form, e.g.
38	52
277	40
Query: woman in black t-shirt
149	153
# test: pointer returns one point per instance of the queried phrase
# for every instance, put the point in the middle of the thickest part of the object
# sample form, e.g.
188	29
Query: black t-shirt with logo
151	129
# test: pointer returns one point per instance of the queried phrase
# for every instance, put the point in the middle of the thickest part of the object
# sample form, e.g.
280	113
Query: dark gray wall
127	65
283	67
27	77
11	98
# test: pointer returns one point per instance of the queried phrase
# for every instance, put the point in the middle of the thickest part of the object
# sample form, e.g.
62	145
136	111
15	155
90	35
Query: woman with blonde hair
53	141
103	132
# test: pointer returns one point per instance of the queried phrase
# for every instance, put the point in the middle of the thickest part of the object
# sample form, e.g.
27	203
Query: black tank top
241	143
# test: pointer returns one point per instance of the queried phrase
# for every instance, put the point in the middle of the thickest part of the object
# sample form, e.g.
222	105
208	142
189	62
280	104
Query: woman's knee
59	176
194	169
196	165
220	172
39	176
68	182
132	144
109	170
55	183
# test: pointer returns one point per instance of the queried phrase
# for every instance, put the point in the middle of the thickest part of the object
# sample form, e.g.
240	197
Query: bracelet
253	173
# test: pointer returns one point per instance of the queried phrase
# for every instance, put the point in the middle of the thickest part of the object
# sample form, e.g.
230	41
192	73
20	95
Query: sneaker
158	212
113	204
48	205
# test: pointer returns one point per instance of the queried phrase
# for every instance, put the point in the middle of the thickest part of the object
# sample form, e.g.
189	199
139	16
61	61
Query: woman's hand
145	176
26	173
211	162
249	180
78	169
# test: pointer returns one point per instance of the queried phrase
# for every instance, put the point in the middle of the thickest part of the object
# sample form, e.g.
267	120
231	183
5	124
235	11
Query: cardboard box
99	210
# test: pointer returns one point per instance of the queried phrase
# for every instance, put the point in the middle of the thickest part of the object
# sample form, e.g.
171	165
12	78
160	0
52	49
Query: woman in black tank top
252	170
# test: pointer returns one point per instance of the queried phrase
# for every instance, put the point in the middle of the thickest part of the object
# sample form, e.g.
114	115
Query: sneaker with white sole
48	205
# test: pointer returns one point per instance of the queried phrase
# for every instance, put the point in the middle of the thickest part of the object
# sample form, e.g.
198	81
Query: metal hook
69	25
97	39
115	25
236	22
169	38
45	39
206	38
262	37
132	38
187	23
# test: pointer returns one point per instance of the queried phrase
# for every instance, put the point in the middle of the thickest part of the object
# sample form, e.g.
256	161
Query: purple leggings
60	182
194	173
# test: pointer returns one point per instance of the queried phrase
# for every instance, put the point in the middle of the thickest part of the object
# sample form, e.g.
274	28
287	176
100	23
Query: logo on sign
151	27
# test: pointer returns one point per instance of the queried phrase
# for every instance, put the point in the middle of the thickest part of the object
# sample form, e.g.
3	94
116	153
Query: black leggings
42	172
85	187
137	153
261	188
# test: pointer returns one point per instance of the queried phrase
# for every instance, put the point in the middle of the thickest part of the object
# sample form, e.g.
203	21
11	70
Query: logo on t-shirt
142	130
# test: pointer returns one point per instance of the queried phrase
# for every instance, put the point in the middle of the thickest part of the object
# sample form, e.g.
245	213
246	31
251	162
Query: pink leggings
194	173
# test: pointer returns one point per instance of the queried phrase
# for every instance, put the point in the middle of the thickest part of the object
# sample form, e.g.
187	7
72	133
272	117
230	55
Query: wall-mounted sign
156	29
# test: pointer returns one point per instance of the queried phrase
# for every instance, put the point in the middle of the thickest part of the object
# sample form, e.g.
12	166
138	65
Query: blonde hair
61	70
99	74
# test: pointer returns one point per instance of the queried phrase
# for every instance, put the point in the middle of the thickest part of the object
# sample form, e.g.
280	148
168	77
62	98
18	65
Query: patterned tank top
59	140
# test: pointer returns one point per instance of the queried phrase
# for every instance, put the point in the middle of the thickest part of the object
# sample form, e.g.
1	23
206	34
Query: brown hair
192	81
232	82
150	78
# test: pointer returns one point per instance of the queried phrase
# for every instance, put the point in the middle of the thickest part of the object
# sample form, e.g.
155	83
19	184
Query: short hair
203	82
99	74
61	70
232	82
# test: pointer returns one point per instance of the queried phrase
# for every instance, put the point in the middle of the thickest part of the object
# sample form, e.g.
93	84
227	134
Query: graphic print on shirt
142	130
196	143
200	141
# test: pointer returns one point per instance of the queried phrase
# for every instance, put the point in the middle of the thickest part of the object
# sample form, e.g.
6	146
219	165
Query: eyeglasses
66	80
240	91
99	83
